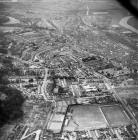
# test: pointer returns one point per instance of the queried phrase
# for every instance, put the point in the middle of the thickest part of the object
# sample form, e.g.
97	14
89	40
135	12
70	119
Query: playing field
86	117
115	115
95	117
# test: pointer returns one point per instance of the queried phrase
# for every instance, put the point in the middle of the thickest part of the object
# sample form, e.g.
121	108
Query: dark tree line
11	99
11	106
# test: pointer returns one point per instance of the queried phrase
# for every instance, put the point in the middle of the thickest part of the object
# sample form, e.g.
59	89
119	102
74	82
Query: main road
44	85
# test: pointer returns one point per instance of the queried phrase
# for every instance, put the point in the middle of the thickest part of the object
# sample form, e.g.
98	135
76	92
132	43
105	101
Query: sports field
115	115
95	117
86	117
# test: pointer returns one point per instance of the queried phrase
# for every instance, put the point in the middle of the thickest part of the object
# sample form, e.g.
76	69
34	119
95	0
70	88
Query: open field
58	8
86	116
96	117
129	93
59	13
133	22
115	116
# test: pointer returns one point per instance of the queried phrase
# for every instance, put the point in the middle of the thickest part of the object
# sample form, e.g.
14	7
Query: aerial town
75	67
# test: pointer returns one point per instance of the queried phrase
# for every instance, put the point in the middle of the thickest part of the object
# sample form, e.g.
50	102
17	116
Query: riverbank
125	22
133	22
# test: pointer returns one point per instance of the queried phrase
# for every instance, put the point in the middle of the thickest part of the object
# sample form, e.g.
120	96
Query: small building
75	90
89	87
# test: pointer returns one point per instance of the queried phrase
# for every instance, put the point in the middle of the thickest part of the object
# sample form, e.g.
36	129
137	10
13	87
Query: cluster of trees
11	105
11	99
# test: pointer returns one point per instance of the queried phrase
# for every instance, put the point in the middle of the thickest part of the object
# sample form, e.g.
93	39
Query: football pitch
115	115
85	117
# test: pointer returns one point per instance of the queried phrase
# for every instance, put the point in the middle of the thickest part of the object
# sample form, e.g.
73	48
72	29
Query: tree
11	107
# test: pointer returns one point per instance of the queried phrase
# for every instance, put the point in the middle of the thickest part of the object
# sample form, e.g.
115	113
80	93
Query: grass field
133	22
115	115
96	117
86	116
